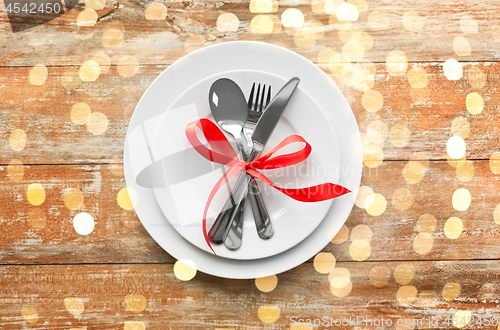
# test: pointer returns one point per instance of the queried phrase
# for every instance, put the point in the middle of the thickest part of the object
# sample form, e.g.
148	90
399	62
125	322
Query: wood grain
43	112
118	236
63	42
301	293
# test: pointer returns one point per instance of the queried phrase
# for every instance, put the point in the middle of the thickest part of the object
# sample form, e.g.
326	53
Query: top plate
208	61
189	178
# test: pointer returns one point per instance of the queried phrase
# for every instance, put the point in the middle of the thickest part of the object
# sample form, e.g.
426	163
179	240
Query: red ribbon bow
223	153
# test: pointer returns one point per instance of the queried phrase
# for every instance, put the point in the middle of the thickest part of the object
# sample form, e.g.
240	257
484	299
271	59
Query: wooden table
413	254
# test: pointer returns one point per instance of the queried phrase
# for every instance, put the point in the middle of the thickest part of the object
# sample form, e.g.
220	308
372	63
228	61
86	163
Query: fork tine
261	103
268	95
256	106
250	98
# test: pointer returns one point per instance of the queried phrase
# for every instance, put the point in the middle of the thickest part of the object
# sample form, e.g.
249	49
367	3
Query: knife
263	131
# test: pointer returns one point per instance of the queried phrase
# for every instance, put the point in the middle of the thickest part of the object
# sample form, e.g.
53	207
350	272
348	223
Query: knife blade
263	131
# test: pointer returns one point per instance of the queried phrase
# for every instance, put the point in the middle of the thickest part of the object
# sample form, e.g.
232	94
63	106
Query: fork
261	215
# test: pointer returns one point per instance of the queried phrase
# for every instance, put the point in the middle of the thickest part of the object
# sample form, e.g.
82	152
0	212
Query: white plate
208	61
188	178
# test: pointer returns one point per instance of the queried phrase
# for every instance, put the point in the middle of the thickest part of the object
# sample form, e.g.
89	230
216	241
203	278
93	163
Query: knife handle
260	213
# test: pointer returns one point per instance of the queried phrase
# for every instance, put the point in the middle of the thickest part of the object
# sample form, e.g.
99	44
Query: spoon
230	111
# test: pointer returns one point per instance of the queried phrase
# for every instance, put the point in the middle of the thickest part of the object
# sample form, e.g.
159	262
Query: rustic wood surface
412	251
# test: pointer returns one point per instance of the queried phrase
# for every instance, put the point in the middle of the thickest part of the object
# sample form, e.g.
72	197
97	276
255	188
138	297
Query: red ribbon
223	153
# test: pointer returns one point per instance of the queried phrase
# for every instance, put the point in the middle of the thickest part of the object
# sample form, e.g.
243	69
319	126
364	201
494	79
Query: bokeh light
185	270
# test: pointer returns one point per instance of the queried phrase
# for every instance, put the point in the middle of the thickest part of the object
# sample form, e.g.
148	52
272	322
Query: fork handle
260	213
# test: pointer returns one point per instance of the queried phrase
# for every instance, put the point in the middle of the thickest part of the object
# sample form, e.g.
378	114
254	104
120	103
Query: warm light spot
87	17
379	276
343	233
495	32
324	262
292	17
399	135
70	79
135	303
372	156
313	30
423	242
325	55
17	140
156	12
103	60
83	223
462	318
35	193
37	219
465	171
360	250
455	162
116	165
74	306
299	326
365	197
300	39
80	113
364	38
195	42
413	172
228	22
402	199
404	273
378	206
426	223
127	198
495	162
134	325
346	31
112	37
477	77
97	123
266	284
15	170
340	282
184	270
378	20
468	25
396	63
455	147
417	77
451	291
127	66
461	199
453	228
262	24
420	95
89	71
353	51
372	101
347	12
407	294
341	292
460	127
412	21
73	198
95	4
262	6
269	314
38	75
361	232
29	314
474	103
461	46
496	214
452	69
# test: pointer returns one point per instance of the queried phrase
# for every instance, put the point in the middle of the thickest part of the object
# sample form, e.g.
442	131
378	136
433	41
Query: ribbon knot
222	152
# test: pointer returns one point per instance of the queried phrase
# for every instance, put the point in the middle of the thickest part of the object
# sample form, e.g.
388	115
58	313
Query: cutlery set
251	124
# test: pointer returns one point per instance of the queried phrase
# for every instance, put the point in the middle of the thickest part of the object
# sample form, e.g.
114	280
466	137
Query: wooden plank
429	37
43	112
151	297
45	234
